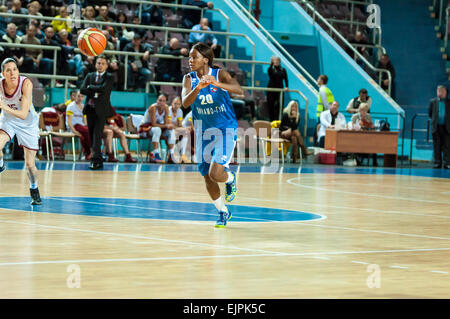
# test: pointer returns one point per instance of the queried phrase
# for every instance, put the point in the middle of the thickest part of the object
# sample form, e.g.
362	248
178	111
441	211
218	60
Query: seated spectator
46	65
72	97
122	33
151	14
330	119
181	134
103	14
385	63
113	125
289	130
138	71
140	31
12	37
191	17
61	24
39	33
156	124
360	41
21	23
32	56
89	18
169	70
69	63
353	104
33	10
207	38
3	21
362	119
77	123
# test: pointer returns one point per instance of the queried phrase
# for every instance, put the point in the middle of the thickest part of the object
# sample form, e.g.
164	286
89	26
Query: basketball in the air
91	42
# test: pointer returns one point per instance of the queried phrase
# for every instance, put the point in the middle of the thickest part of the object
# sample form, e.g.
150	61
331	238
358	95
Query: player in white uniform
176	115
19	118
158	116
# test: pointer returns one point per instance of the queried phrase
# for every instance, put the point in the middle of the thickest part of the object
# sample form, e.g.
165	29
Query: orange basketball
91	42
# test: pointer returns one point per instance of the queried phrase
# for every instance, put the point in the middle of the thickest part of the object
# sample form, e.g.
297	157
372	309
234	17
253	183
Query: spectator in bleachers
277	79
207	38
39	33
140	31
58	25
33	10
353	104
103	14
360	40
89	17
69	63
191	17
385	63
46	64
3	21
76	122
439	113
122	33
32	56
156	124
51	7
12	37
289	129
21	23
151	14
138	71
330	119
169	70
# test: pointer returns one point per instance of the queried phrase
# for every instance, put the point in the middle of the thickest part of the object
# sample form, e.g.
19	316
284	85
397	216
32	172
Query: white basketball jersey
14	101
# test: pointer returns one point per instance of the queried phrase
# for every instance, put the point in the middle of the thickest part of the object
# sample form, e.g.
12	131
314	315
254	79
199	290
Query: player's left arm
226	82
27	88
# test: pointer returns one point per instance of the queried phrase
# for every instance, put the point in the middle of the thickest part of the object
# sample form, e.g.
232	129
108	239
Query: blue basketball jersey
212	108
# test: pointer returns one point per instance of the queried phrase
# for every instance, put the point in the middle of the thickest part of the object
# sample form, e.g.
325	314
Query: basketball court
147	231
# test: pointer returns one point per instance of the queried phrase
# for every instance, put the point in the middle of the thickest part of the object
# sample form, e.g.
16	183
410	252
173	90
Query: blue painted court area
151	209
246	168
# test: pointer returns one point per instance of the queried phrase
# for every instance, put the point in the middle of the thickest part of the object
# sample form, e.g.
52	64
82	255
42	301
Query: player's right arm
69	121
188	95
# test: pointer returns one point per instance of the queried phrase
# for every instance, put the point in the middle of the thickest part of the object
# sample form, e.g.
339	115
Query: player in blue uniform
206	89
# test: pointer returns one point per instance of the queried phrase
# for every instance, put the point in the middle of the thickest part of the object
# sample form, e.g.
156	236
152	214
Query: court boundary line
304	254
290	181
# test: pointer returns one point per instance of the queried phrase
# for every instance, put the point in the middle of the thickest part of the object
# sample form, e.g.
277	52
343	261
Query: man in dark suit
439	112
97	87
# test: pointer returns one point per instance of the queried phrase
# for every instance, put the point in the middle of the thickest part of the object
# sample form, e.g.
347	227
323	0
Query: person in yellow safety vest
326	98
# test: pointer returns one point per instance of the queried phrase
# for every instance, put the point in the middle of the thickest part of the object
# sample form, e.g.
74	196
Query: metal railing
265	89
133	26
360	56
182	6
127	54
352	21
64	78
418	130
278	46
41	47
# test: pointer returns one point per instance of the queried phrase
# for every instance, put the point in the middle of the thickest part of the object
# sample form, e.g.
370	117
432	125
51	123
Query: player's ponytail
206	52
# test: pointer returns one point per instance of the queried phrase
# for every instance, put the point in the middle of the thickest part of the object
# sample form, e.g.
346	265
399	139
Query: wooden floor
381	236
